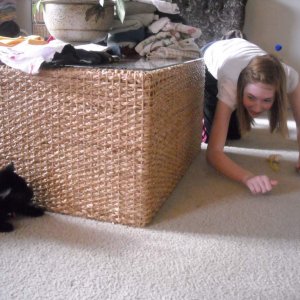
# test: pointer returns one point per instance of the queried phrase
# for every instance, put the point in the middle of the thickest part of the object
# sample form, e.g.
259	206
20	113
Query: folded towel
164	24
142	47
165	52
170	40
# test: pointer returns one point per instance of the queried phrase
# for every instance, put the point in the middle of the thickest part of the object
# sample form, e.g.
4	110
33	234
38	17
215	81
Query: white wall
269	22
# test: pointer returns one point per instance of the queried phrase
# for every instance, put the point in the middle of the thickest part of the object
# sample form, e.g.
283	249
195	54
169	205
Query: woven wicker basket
105	144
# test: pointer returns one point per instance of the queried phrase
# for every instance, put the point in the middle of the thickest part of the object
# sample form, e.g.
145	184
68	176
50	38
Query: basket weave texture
105	144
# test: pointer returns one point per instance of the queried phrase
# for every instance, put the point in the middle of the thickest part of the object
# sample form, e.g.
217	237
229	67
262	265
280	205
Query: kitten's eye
5	193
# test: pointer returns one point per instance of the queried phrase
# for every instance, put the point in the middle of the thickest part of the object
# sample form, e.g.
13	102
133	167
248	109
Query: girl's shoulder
233	47
230	56
292	77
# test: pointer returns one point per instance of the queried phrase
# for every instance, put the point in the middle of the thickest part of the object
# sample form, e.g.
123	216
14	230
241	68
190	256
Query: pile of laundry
8	15
154	29
29	53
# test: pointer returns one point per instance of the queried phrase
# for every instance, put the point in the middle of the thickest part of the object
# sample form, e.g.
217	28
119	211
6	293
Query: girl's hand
260	184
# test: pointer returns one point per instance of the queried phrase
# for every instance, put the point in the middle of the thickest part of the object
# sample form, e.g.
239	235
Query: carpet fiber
211	240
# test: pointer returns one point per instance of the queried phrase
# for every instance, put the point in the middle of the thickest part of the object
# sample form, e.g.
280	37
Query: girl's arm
221	162
294	98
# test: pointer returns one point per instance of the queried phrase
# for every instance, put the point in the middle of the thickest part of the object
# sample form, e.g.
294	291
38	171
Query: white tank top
226	59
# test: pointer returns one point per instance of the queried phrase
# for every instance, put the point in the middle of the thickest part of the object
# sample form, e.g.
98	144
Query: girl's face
258	98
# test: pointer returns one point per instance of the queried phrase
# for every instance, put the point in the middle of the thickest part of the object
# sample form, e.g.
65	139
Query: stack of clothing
8	26
154	28
128	34
170	40
29	53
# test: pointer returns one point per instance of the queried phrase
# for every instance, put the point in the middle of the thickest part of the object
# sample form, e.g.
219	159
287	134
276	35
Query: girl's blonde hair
266	69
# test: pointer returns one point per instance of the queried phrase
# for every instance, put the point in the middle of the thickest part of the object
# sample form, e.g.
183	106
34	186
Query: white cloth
157	26
165	24
163	6
28	58
167	45
226	59
170	40
184	48
154	41
92	47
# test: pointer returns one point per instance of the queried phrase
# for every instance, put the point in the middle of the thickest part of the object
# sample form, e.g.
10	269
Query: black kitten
15	198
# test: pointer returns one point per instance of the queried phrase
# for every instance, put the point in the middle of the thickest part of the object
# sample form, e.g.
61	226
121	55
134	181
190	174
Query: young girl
243	81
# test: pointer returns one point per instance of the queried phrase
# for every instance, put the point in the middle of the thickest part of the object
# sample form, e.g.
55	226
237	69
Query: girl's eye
250	97
268	100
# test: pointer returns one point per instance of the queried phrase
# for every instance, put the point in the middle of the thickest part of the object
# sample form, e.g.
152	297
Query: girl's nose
257	108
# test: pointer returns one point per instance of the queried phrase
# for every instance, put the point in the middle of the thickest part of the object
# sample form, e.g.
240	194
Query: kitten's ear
10	167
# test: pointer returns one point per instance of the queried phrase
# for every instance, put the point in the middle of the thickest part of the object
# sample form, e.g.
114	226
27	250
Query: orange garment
31	39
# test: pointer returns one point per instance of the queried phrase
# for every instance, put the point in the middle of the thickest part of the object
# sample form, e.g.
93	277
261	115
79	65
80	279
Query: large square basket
102	143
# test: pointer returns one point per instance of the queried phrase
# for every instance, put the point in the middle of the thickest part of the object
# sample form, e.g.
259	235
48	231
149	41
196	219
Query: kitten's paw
38	212
32	211
6	227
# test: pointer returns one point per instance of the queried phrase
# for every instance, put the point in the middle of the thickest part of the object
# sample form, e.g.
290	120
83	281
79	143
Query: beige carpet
211	240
